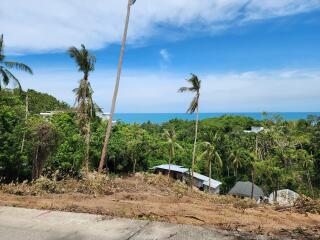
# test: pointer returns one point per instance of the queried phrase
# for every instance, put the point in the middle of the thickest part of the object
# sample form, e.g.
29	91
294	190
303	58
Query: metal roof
205	179
173	167
213	183
243	189
181	169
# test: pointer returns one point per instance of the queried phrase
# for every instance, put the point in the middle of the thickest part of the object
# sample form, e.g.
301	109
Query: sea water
164	117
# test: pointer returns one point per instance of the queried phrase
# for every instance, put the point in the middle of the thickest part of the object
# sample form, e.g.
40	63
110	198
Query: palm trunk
210	176
35	165
26	118
194	146
115	93
252	179
310	184
88	136
134	165
86	122
257	145
170	158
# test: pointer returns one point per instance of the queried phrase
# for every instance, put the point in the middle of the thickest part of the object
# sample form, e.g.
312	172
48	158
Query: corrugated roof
177	168
244	189
205	179
213	183
173	167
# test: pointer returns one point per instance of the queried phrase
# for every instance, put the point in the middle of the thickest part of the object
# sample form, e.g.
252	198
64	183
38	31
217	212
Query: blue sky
251	55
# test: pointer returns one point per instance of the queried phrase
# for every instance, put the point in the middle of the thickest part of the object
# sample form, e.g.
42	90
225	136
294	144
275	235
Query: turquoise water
164	117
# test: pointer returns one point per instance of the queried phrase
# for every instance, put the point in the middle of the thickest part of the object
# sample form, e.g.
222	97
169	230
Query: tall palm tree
211	155
194	107
171	140
85	62
5	75
116	88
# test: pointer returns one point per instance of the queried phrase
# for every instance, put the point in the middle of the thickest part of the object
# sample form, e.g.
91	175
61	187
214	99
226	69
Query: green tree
171	141
194	107
211	154
46	141
237	158
85	62
5	75
307	164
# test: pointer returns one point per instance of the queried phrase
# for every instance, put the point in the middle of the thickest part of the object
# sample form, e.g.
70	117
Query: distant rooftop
254	130
181	169
173	167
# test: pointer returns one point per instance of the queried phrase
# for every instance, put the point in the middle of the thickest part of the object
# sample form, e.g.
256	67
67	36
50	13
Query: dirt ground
154	197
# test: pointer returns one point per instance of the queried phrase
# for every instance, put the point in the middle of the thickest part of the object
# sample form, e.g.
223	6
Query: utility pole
26	118
116	88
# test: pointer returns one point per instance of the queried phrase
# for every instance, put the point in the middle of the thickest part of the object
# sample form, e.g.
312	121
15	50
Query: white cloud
47	25
165	55
280	90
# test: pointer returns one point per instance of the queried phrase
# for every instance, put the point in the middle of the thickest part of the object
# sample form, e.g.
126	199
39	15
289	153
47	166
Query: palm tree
116	88
5	75
194	107
132	150
85	62
211	154
171	138
307	163
236	157
254	159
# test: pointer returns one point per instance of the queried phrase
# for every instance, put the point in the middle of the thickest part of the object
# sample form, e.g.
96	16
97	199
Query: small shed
202	182
244	189
183	174
284	197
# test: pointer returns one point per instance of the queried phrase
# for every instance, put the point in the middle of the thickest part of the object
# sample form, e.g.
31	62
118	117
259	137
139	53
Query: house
244	189
105	117
254	130
202	182
183	174
284	197
49	114
176	172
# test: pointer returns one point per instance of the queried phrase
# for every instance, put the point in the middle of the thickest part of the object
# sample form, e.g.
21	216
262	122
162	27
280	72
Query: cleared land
150	197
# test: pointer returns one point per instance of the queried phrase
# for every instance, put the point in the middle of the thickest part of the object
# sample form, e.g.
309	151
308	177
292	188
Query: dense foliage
285	155
42	102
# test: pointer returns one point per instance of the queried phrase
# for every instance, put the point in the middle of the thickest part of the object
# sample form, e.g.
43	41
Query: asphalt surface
30	224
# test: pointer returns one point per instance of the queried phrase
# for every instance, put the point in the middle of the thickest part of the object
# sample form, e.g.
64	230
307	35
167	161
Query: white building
105	117
254	130
49	114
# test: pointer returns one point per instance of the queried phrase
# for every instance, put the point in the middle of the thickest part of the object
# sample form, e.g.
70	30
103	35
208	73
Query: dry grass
155	197
307	205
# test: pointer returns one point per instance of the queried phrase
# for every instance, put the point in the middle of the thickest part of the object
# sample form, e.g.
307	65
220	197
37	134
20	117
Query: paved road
29	224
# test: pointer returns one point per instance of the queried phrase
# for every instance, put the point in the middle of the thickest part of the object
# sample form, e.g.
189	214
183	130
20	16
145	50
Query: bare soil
155	197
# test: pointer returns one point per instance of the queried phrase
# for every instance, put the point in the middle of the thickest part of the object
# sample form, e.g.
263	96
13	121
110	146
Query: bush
96	183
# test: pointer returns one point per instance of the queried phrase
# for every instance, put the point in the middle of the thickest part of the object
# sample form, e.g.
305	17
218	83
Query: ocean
164	117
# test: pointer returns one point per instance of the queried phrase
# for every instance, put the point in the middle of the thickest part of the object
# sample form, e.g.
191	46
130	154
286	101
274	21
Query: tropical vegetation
288	152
